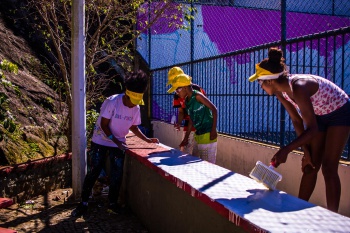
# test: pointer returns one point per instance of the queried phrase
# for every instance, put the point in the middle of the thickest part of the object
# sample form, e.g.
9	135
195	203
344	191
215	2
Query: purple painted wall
219	30
238	28
167	23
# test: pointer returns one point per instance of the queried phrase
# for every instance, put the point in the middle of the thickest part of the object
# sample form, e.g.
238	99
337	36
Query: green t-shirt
200	115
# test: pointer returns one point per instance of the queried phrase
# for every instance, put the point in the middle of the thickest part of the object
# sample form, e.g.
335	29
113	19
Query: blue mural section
219	30
244	109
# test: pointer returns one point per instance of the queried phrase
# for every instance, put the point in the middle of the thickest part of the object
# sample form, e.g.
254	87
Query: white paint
234	218
272	211
179	183
193	192
241	156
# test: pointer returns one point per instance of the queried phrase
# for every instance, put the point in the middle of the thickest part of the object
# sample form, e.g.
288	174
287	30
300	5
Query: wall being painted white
240	156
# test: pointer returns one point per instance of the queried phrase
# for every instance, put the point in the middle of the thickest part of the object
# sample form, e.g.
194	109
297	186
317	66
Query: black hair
137	81
275	61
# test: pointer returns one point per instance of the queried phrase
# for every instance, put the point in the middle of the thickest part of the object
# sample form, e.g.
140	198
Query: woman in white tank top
320	112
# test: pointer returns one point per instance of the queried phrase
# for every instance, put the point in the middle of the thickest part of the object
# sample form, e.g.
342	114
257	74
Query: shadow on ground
52	213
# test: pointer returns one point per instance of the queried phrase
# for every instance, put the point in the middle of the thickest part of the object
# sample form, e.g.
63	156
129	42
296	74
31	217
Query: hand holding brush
280	156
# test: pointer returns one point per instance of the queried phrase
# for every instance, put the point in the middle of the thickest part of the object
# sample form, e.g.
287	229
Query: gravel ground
52	213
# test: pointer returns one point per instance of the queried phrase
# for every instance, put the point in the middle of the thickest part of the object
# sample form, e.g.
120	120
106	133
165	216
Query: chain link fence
225	41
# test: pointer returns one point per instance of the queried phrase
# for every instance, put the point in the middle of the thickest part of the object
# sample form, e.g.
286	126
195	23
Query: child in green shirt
203	116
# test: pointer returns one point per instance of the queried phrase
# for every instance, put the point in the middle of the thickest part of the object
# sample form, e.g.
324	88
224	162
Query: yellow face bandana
135	98
263	74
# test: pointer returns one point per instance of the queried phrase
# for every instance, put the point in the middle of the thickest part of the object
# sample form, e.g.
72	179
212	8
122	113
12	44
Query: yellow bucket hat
173	72
263	74
135	98
182	80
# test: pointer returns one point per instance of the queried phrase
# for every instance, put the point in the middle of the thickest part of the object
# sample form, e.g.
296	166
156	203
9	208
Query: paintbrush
266	175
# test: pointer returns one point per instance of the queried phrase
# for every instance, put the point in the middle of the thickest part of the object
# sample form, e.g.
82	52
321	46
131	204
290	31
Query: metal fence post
149	35
283	47
192	38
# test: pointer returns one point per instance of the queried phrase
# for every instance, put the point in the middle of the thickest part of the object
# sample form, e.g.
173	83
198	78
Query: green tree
111	30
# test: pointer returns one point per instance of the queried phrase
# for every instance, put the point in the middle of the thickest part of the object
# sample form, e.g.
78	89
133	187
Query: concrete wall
241	156
24	181
163	207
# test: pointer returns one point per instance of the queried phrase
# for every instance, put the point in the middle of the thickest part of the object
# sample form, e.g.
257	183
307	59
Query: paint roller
266	175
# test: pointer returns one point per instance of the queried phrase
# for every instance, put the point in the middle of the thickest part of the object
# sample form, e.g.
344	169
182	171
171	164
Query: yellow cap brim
172	89
137	102
253	77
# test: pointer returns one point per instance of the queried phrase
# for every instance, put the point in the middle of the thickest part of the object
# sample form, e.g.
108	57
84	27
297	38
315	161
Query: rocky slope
34	107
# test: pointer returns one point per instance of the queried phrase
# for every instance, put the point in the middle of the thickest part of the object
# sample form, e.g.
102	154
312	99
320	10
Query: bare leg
308	180
336	139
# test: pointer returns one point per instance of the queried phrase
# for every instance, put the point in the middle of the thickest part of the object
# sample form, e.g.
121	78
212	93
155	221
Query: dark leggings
96	162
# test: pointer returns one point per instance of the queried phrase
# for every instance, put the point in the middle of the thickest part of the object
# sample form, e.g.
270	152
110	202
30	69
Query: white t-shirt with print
121	119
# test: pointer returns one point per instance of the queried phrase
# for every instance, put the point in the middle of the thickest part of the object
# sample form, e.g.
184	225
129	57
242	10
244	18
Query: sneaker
80	210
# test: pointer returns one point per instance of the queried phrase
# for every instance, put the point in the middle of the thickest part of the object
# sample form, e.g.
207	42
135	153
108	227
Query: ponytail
275	61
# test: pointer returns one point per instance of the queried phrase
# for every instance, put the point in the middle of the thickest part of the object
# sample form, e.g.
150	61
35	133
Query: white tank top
328	98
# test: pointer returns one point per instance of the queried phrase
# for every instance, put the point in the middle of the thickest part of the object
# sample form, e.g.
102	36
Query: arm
180	118
187	134
301	94
204	100
139	134
299	129
294	115
105	127
177	104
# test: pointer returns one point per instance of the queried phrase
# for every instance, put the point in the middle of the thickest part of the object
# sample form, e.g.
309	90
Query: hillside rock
33	106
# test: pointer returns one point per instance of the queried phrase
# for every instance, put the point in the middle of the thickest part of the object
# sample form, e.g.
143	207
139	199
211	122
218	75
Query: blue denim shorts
341	116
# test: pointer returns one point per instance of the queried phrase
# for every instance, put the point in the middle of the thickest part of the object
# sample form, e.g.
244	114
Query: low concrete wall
164	207
27	180
240	156
174	192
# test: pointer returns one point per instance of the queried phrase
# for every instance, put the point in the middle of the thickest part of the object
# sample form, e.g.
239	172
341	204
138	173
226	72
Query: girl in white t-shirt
119	114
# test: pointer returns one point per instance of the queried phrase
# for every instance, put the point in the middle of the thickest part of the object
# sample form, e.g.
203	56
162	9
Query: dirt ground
52	213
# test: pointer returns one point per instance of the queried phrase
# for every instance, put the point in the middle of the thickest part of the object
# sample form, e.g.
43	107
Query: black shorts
341	116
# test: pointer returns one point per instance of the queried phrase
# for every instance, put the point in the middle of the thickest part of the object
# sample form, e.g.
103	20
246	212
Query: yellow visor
135	98
263	74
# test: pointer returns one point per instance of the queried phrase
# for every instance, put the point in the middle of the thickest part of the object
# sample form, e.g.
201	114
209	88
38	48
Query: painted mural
220	30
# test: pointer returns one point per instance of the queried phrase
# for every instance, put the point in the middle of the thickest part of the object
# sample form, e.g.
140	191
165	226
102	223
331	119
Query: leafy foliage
91	117
5	116
110	34
7	66
111	28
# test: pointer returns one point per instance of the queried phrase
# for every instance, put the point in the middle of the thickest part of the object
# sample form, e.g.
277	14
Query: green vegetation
5	115
112	28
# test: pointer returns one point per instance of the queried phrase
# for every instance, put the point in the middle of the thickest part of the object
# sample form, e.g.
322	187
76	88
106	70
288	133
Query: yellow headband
135	98
263	74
